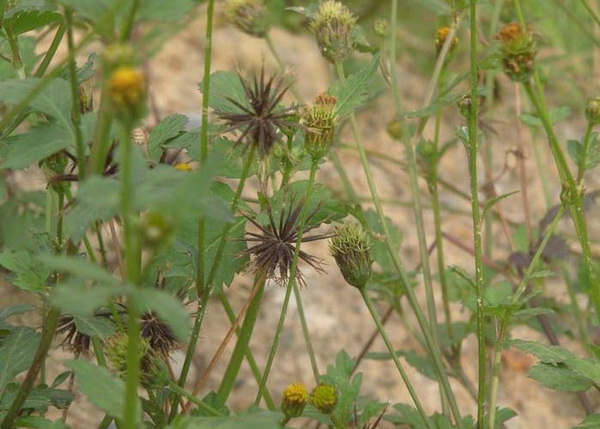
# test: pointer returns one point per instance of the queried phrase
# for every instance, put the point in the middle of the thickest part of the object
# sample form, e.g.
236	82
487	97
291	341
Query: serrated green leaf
101	387
352	91
225	85
27	274
379	251
76	298
575	148
590	422
167	307
559	378
54	100
167	129
16	353
587	368
546	354
23	150
78	267
95	326
257	420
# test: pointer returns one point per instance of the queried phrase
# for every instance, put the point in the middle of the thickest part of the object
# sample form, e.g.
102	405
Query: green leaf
76	298
101	387
591	422
27	273
556	115
546	354
78	267
38	422
31	20
54	100
21	218
97	199
15	309
95	326
160	10
257	420
16	354
575	148
225	85
23	150
167	129
379	250
168	308
559	378
348	387
587	368
352	91
491	203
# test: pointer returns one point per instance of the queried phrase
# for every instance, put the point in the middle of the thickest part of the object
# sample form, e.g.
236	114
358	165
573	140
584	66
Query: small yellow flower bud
333	26
324	398
592	110
440	40
295	398
249	16
127	87
183	166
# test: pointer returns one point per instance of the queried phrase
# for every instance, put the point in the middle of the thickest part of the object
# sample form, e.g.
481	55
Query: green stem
49	55
132	263
411	390
574	197
584	152
76	109
398	266
196	401
50	325
292	280
249	356
479	280
306	333
241	346
129	23
591	12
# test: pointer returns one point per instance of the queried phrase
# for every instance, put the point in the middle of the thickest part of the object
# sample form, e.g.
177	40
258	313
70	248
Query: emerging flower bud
440	39
380	27
127	90
333	26
350	248
592	110
156	229
295	397
324	398
518	51
394	129
249	16
320	121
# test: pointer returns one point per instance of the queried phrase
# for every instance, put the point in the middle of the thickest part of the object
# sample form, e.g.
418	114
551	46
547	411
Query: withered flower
274	252
261	120
159	336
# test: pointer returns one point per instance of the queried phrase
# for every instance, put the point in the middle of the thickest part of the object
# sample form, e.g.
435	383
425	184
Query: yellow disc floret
295	397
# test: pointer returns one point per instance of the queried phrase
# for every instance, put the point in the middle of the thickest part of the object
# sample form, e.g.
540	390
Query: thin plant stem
398	266
292	279
472	158
393	354
587	138
74	83
590	11
233	367
174	387
504	324
49	55
309	347
129	23
132	275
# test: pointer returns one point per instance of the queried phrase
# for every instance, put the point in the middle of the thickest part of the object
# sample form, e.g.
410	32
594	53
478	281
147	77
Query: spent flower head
518	51
324	398
158	334
275	245
295	398
320	120
250	16
333	26
350	248
261	121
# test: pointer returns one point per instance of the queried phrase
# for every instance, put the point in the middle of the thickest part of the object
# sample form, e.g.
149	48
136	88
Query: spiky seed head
592	110
324	398
249	16
295	398
441	36
333	26
518	51
117	351
158	334
350	248
320	121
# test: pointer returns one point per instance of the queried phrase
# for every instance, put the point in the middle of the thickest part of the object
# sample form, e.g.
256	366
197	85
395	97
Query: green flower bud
117	351
333	26
592	110
249	16
380	27
320	121
350	248
156	228
324	398
394	129
295	398
518	51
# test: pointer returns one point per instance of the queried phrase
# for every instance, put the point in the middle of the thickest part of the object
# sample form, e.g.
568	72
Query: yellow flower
324	398
127	87
295	397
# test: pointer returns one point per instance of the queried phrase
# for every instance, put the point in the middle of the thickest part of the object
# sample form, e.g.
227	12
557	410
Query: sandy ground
337	318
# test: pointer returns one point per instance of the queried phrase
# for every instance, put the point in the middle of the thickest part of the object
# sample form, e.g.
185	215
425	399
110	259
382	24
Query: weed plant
130	242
